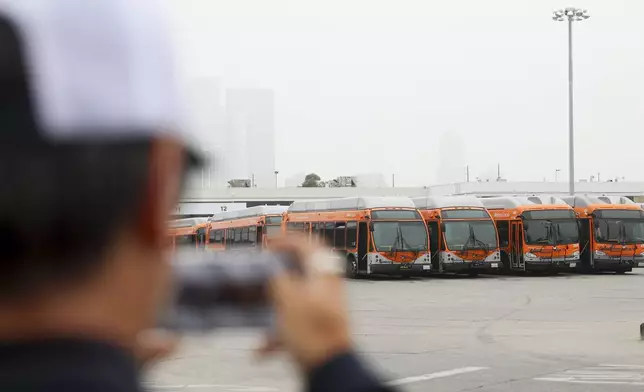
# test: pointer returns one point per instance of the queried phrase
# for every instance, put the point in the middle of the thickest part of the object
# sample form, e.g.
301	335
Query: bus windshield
400	236
185	240
551	232
476	234
273	230
628	231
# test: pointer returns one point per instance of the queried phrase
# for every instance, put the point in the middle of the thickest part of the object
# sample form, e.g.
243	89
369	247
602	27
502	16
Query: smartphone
214	290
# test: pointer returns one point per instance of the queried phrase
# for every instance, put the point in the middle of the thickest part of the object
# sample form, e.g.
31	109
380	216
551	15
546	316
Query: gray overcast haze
373	86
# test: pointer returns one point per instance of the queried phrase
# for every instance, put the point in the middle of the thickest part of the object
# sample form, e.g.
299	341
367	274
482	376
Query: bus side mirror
443	227
371	227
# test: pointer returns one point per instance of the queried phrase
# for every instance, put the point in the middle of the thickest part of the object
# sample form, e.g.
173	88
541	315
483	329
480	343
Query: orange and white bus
376	235
247	228
462	235
611	232
188	232
536	233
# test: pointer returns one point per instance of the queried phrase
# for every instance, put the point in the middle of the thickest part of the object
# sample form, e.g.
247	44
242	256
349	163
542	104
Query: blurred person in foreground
91	165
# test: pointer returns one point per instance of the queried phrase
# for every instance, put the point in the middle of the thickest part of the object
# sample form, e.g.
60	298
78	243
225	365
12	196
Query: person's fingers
310	258
296	245
154	345
269	346
283	287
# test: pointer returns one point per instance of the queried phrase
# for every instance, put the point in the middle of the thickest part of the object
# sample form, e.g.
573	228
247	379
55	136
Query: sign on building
206	209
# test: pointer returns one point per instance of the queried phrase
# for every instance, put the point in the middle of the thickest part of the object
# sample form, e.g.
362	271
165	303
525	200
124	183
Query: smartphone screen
221	290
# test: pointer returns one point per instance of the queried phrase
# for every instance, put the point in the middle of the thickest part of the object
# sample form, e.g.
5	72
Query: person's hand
311	308
153	346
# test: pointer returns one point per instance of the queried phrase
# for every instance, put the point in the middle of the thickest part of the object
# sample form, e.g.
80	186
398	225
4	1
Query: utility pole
393	180
467	173
571	15
276	173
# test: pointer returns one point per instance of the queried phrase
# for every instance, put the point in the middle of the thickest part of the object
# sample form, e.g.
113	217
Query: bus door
585	243
363	243
434	244
516	244
259	242
520	259
201	238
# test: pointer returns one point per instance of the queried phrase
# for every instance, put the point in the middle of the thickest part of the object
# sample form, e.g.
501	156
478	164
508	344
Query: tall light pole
276	173
570	14
557	175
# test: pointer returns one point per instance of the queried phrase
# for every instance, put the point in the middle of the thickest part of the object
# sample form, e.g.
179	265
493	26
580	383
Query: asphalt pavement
490	333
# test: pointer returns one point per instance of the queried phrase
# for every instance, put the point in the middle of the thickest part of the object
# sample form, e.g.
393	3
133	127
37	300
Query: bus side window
328	233
229	238
314	232
212	236
238	236
503	228
352	234
252	236
244	236
340	235
219	236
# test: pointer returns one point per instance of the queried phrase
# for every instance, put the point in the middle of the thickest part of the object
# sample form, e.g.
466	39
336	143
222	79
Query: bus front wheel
352	267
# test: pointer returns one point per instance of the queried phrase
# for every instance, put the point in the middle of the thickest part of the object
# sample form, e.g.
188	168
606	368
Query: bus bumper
473	267
552	266
400	269
614	265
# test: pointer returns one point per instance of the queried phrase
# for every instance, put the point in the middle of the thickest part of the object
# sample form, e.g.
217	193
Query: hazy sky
373	85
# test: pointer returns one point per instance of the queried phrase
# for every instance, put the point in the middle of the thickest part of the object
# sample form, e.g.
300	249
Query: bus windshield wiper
397	241
551	233
483	244
403	242
472	238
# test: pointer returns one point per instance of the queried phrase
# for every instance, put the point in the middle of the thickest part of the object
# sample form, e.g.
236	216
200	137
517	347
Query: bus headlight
528	256
575	253
599	253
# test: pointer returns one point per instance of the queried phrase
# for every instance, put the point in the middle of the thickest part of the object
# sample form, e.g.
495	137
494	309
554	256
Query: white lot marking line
432	376
573	381
610	365
236	388
609	374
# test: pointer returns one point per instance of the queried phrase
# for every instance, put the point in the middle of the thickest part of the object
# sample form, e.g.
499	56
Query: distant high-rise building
250	129
451	163
206	119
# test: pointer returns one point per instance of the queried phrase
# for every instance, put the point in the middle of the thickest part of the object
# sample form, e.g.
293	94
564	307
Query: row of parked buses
452	234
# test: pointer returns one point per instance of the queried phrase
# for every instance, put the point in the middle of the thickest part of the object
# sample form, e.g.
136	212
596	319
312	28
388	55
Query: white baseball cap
87	71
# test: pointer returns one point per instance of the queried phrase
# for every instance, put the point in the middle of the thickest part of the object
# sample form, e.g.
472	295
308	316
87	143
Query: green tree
311	181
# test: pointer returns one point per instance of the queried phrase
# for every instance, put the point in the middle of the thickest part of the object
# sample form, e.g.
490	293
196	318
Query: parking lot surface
491	333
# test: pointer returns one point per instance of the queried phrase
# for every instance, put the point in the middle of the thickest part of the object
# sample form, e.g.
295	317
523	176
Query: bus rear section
188	233
463	237
248	228
611	231
376	235
536	233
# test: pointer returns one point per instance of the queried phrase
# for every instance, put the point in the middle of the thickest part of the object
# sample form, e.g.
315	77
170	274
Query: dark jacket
93	366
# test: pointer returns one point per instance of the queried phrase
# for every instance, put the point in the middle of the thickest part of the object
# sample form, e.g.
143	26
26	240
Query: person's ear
162	190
